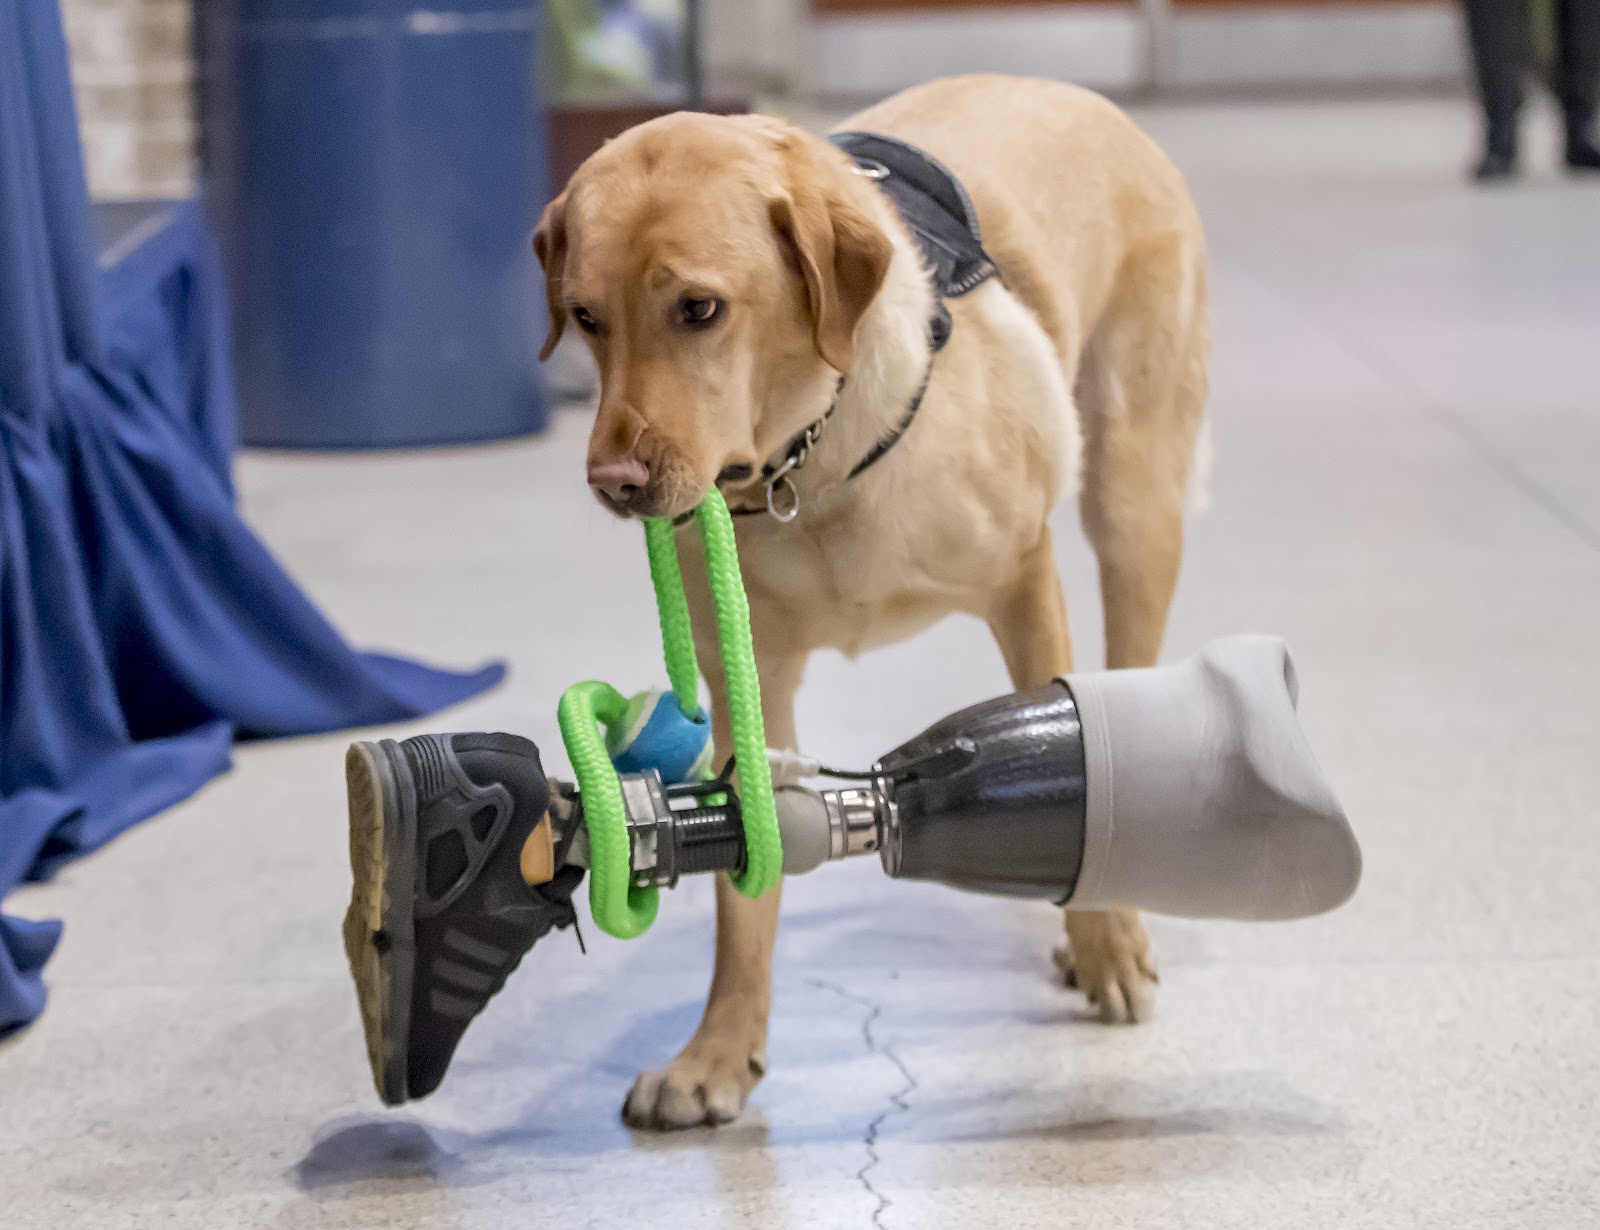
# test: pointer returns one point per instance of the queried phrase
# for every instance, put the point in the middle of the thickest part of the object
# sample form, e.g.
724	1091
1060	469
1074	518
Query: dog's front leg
712	1076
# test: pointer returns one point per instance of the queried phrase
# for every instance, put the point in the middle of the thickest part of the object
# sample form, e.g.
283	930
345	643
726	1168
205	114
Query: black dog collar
936	210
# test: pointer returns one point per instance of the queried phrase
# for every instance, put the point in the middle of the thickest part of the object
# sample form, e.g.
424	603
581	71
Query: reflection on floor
1407	409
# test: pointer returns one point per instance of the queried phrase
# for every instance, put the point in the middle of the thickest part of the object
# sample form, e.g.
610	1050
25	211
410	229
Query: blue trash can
374	169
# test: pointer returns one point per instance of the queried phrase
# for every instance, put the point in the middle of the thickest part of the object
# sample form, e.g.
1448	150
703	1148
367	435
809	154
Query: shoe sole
379	939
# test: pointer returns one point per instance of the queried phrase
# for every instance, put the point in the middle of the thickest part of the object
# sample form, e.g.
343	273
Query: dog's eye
699	312
585	320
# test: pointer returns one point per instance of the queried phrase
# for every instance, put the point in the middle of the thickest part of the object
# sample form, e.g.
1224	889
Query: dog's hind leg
1141	393
1029	620
1030	623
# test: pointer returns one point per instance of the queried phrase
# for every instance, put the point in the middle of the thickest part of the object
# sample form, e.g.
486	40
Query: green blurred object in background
604	50
1542	39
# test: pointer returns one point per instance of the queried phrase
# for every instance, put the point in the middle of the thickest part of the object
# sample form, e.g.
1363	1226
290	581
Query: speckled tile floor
1407	408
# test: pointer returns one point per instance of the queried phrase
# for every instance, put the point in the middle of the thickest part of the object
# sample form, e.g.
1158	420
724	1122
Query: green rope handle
763	848
620	907
677	635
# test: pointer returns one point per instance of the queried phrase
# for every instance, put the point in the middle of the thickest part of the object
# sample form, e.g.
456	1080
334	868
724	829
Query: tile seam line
1421	403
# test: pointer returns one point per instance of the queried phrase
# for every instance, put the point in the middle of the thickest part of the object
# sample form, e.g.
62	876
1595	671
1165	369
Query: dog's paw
707	1084
1108	958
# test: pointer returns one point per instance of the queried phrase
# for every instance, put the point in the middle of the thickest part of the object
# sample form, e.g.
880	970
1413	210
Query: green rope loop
677	635
620	908
763	847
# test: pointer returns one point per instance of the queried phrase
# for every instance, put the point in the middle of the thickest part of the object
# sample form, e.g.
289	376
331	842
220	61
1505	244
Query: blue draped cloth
143	627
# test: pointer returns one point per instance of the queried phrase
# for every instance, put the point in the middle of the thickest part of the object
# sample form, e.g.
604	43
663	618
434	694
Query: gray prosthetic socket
1204	799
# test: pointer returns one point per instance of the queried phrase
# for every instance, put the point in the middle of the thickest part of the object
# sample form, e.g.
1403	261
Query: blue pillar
374	169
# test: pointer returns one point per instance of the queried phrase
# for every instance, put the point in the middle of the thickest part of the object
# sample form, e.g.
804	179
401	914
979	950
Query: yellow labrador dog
727	271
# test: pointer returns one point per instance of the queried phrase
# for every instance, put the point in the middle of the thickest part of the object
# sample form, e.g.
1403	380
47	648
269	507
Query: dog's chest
854	584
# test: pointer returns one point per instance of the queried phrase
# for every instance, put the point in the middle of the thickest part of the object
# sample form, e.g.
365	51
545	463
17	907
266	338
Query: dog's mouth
665	499
618	508
659	499
642	503
739	482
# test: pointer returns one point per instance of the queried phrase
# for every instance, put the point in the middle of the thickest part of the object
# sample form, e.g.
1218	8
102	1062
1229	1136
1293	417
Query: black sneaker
440	914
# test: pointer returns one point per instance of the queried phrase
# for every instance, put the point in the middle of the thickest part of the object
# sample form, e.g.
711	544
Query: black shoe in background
440	914
1583	147
1499	161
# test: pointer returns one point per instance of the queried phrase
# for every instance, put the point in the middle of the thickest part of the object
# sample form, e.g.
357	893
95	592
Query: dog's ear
550	246
837	249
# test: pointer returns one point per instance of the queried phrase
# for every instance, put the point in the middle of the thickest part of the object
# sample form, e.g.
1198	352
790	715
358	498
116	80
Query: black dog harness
936	210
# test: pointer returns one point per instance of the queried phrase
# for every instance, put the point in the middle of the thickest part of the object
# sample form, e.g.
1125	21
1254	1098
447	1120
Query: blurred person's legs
1578	78
1498	33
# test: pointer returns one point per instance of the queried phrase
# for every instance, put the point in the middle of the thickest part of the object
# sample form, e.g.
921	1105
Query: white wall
1397	44
776	45
768	46
1094	45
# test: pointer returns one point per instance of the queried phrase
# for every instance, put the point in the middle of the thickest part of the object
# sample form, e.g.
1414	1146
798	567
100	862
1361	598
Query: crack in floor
897	1099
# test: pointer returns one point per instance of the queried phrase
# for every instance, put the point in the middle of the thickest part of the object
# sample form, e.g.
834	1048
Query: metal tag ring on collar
867	168
777	481
779	478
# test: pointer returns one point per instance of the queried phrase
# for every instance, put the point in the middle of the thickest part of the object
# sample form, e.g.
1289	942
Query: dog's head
717	268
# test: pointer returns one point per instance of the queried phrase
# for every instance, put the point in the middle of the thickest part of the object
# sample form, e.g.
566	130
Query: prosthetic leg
1187	790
